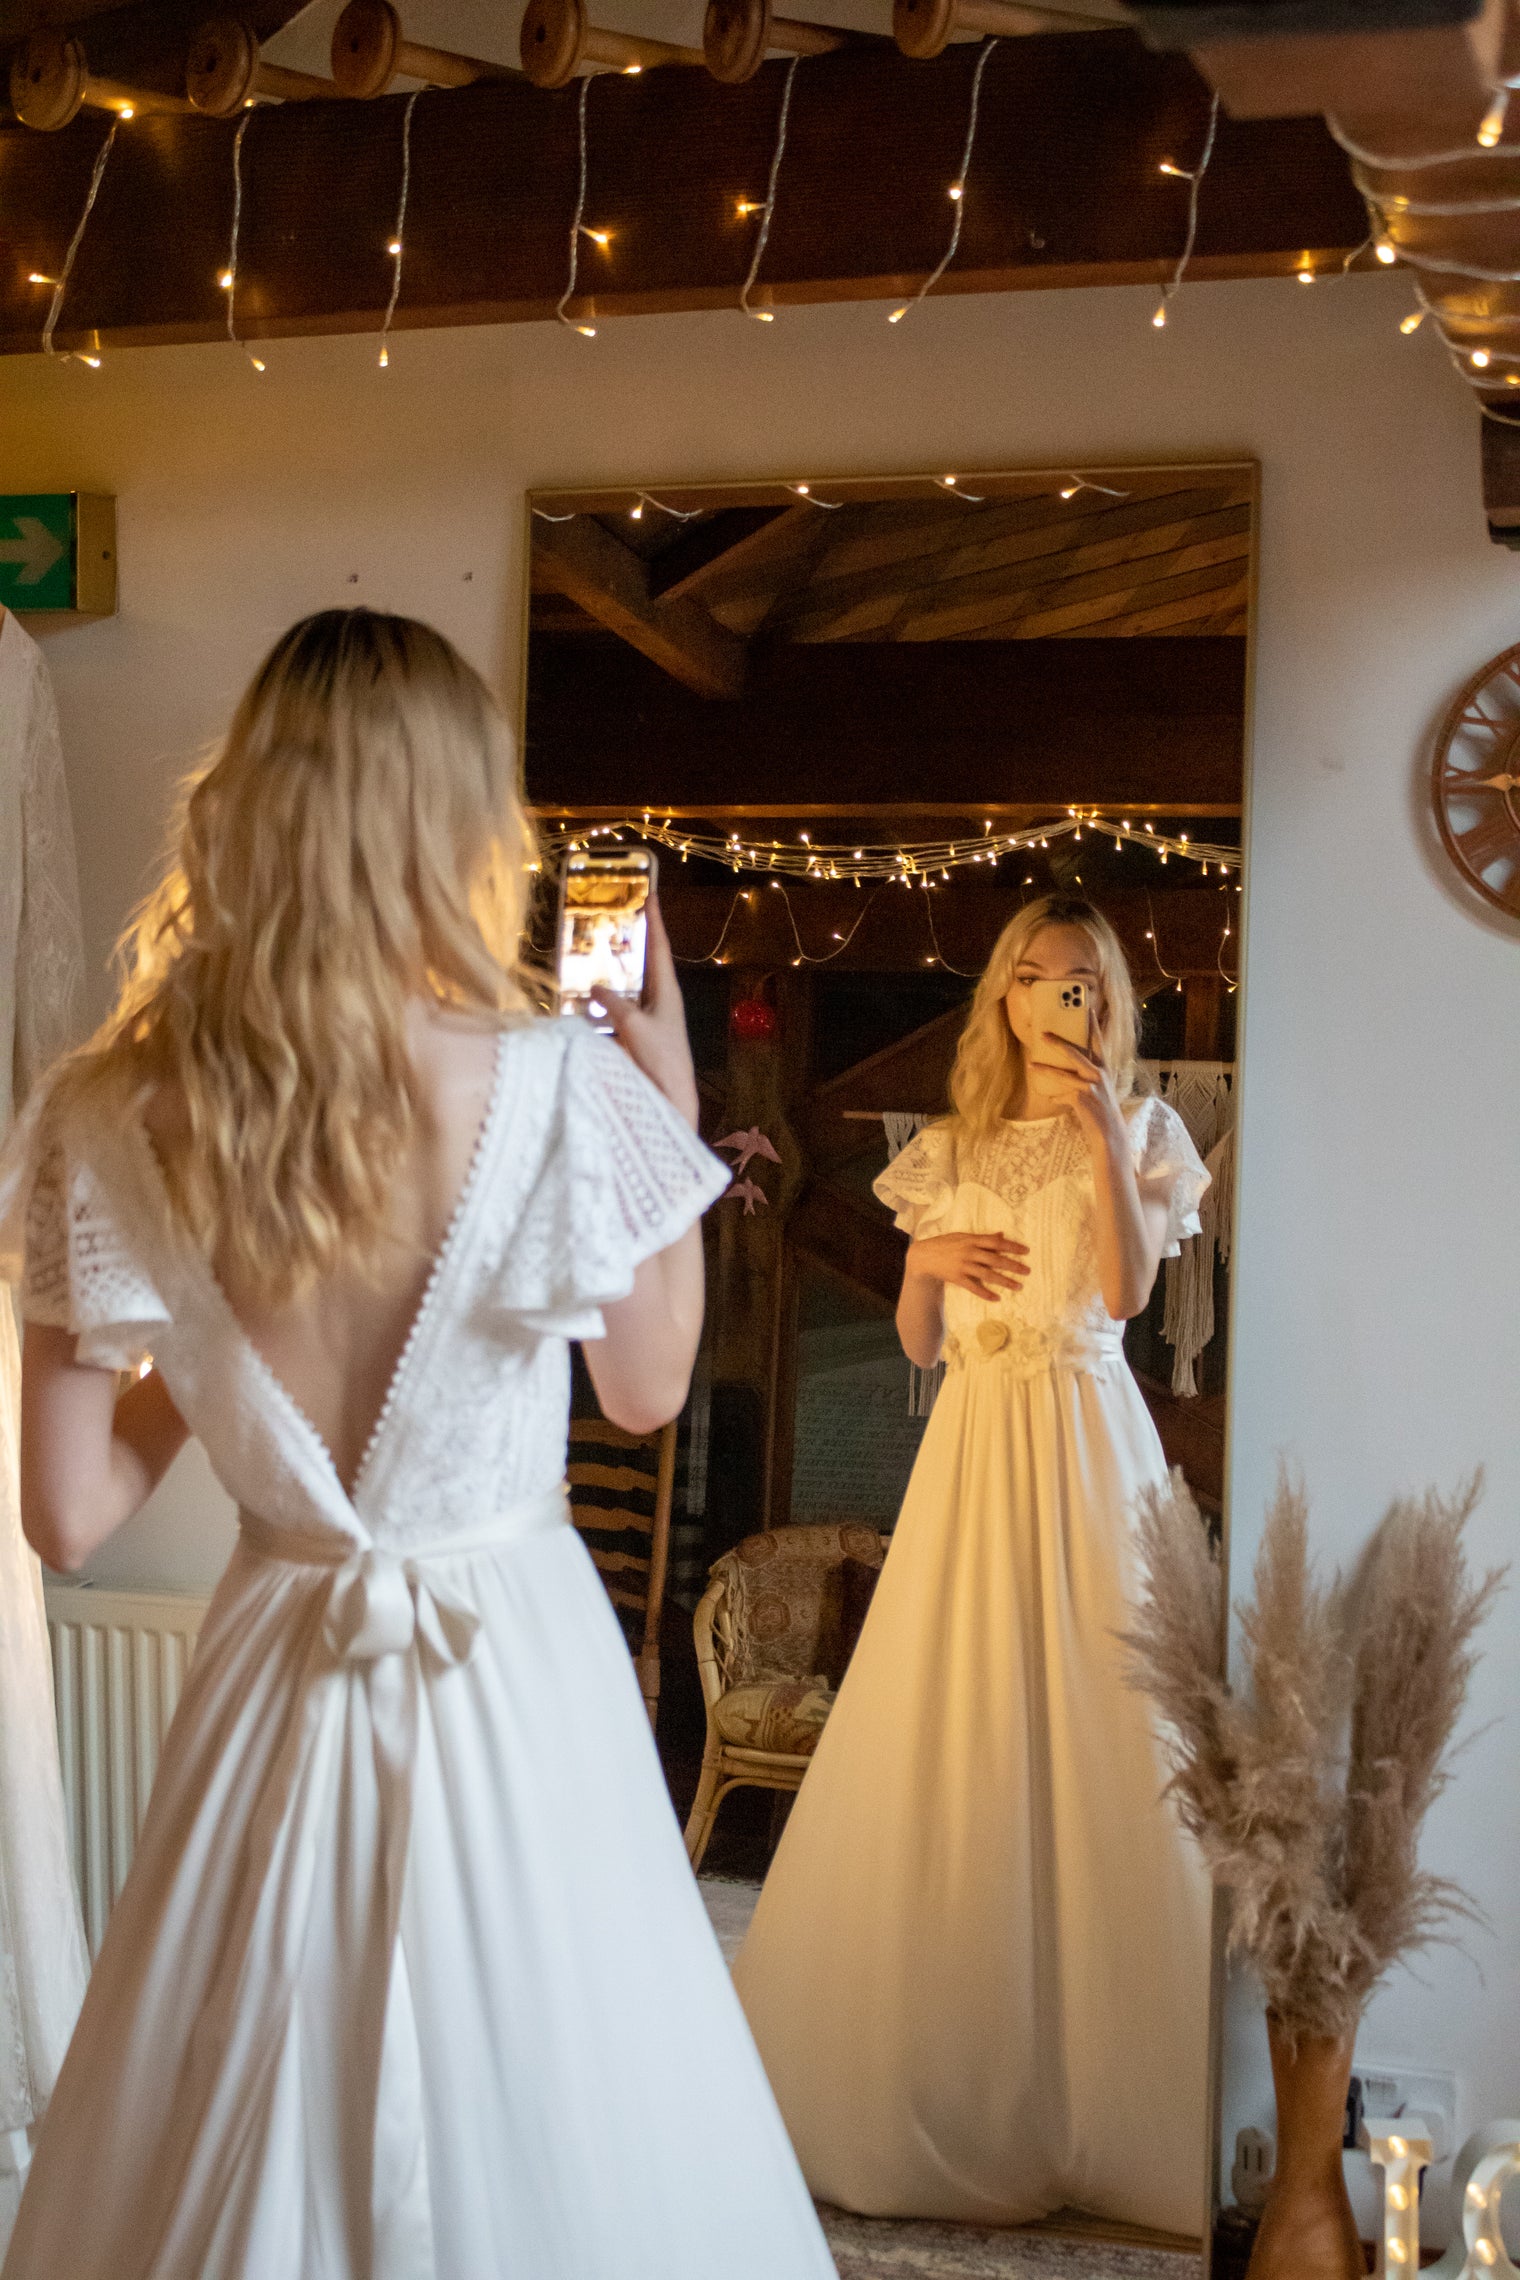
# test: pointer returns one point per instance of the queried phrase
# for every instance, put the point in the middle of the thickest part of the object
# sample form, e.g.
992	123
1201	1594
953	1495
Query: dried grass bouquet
1307	1787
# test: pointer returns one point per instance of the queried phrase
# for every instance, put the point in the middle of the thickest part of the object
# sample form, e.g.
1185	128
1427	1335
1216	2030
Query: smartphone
602	938
1063	1009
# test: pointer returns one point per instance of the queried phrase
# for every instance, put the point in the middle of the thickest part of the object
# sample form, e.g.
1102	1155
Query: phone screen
603	930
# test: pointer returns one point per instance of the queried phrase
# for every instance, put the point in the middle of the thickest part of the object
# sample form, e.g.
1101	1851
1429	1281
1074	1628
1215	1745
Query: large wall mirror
865	726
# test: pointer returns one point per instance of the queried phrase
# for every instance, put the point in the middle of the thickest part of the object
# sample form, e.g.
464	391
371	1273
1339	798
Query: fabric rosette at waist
1027	1350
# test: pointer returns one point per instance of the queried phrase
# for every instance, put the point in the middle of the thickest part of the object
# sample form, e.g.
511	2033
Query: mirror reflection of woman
979	1969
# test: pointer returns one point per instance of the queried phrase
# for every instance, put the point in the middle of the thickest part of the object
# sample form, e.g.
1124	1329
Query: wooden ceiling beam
836	728
591	568
1067	191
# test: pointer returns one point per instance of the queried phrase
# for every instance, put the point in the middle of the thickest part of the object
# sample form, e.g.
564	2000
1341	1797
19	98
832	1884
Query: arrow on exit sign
36	550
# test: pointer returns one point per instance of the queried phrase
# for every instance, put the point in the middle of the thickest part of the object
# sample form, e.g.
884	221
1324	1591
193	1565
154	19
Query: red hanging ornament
752	1020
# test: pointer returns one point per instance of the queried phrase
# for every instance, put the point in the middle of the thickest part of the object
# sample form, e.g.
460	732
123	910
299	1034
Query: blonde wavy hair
358	841
987	1081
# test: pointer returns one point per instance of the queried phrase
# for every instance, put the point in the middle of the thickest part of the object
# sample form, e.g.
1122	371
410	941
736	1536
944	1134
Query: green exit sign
58	552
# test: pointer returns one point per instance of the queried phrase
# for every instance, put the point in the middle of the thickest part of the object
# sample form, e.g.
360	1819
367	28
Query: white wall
1378	1278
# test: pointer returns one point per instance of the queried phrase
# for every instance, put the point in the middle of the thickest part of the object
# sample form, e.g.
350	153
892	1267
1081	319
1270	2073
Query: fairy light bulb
587	332
1305	274
762	316
801	489
1413	322
632	70
126	112
1159	319
1386	251
35	277
956	190
394	249
225	280
744	207
384	359
636	513
603	238
897	315
257	362
949	481
1494	118
1178	173
1071	490
85	357
1481	359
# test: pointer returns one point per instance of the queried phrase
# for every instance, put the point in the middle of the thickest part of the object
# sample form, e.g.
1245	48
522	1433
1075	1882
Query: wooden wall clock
1475	782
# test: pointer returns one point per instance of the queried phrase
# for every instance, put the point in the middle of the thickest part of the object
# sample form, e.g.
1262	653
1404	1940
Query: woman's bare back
335	1349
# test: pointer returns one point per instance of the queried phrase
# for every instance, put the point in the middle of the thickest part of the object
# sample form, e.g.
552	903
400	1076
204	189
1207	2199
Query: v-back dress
410	1979
979	1969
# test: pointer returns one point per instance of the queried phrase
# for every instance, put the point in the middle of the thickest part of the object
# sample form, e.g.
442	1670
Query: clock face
1476	782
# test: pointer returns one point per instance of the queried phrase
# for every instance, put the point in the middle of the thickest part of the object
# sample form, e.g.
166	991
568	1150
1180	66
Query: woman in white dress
409	1980
979	1969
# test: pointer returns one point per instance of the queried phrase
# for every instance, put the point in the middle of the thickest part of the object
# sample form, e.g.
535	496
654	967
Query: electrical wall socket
1398	2093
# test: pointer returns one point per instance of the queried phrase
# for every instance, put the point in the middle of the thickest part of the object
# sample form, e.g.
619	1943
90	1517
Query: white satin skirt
410	1979
979	1969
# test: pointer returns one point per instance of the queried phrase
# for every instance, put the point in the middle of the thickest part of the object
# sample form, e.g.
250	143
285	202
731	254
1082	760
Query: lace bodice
1034	1181
582	1171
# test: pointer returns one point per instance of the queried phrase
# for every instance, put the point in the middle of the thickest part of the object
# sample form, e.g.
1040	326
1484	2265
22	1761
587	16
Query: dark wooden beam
591	568
856	1242
1066	191
1156	726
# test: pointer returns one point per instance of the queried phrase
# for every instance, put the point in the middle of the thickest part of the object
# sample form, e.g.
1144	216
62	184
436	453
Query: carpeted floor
872	2248
877	2248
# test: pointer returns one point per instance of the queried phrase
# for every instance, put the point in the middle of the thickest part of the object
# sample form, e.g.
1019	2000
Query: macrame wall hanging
1202	1093
923	1385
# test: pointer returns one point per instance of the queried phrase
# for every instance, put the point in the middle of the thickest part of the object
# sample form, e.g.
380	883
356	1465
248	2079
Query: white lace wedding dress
979	1970
410	1979
42	1951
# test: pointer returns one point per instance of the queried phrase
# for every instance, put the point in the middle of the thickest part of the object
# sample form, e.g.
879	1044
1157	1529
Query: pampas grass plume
1307	1787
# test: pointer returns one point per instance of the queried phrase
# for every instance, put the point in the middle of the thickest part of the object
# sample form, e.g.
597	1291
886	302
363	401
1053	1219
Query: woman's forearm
1127	1239
641	1369
88	1460
921	1319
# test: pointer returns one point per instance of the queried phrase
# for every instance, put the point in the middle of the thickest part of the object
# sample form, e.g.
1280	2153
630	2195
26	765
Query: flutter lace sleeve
1169	1170
62	1244
918	1186
622	1177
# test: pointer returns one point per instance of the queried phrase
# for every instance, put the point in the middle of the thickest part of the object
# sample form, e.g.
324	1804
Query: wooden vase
1307	2229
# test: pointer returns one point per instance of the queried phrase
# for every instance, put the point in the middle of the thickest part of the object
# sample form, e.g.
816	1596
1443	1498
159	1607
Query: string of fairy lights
918	863
579	318
889	867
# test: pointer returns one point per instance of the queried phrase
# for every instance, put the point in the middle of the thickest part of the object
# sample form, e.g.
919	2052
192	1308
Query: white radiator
119	1663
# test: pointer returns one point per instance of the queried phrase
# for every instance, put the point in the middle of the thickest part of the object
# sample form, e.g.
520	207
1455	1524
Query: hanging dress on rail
979	1969
410	1979
42	1951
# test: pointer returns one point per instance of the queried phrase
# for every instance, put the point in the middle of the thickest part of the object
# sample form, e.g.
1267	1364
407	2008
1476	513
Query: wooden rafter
604	578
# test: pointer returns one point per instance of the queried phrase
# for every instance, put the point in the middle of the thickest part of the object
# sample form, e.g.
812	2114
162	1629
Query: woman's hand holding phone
989	1266
1078	1077
653	1033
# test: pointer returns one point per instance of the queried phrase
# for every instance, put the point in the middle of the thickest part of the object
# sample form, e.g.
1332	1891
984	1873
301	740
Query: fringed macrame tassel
923	1385
923	1388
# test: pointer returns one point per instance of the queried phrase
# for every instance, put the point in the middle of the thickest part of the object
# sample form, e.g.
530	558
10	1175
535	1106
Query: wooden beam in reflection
1152	726
610	583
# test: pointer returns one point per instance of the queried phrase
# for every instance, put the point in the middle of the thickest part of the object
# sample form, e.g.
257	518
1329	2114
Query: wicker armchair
774	1631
